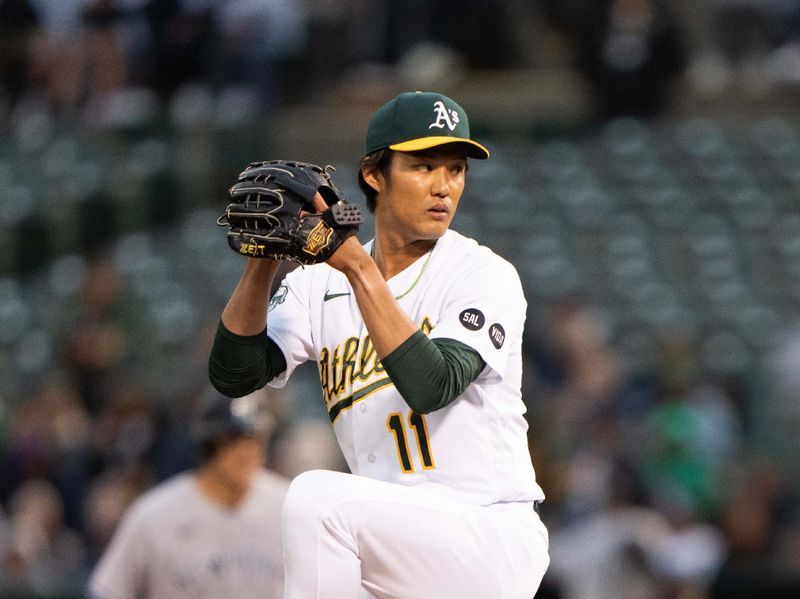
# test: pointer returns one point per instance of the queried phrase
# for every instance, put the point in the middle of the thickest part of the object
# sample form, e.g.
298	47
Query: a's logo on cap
443	117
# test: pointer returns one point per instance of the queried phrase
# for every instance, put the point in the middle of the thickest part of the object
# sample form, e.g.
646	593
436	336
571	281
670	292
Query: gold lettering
365	368
251	248
324	374
348	362
336	371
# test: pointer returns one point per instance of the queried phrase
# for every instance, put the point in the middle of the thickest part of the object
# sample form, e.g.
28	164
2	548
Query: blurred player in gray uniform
214	532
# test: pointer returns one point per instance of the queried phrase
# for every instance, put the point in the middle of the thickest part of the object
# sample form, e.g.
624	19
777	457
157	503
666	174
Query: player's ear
372	177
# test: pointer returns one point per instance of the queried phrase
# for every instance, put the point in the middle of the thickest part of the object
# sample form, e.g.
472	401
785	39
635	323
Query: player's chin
434	230
438	221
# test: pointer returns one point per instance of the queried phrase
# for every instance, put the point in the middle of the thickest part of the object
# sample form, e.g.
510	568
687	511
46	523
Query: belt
537	506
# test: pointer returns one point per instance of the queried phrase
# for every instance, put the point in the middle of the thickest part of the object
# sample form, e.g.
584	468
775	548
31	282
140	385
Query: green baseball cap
420	120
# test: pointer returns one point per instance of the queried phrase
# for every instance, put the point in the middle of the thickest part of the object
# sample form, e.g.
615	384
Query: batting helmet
221	417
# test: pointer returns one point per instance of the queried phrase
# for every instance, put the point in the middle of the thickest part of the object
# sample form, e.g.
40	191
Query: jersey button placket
362	409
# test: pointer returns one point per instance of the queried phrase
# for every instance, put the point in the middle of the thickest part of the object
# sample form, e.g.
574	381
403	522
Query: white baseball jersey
475	449
175	543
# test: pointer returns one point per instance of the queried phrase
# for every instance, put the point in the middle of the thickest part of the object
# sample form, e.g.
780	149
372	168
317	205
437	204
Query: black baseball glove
264	217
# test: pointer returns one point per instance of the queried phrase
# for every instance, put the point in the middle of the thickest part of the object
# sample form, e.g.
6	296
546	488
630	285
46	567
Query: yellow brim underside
423	143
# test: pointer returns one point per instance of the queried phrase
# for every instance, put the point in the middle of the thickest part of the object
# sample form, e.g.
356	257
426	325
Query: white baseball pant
346	535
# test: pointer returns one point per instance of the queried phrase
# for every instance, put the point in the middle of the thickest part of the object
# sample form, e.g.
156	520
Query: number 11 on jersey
417	424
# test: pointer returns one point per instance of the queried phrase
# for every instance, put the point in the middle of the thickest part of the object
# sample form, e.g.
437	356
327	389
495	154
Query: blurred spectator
759	517
584	409
79	53
91	54
630	50
180	34
628	547
40	554
691	433
18	26
581	372
254	39
106	60
606	555
414	35
107	334
227	43
462	25
125	429
45	430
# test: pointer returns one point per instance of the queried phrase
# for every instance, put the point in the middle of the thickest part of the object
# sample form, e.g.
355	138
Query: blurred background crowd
645	180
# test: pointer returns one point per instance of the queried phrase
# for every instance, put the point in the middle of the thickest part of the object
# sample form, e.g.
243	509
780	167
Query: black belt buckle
537	506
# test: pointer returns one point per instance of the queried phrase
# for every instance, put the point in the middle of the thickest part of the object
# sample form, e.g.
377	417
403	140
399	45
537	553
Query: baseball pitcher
417	336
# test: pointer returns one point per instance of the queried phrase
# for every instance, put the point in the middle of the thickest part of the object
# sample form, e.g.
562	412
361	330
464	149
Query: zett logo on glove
251	248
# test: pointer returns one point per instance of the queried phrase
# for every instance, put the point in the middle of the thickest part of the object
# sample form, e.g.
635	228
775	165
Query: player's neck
218	489
394	256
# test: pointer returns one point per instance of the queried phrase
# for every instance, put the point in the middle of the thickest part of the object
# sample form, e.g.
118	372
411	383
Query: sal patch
472	319
497	335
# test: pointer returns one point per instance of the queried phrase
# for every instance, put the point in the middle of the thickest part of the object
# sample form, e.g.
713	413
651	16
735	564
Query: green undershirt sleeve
431	373
241	364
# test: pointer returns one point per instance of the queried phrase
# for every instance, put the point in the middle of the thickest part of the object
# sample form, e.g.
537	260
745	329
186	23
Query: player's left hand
287	210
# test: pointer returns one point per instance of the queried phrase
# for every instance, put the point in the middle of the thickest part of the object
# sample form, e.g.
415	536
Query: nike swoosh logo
330	296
